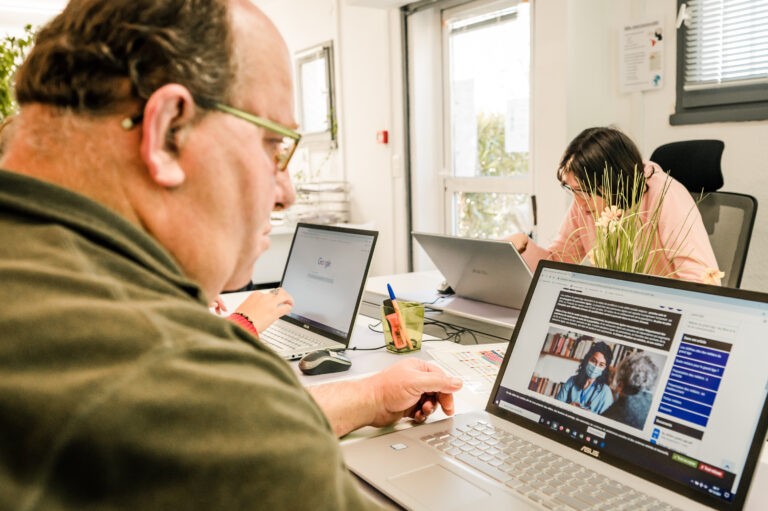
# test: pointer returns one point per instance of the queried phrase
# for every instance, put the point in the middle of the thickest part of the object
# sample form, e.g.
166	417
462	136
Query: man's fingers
439	382
428	408
446	403
436	387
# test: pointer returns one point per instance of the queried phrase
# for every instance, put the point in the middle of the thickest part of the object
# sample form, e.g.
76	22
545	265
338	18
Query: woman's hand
263	309
218	305
519	240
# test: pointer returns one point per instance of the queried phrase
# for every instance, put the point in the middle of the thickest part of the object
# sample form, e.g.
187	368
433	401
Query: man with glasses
138	183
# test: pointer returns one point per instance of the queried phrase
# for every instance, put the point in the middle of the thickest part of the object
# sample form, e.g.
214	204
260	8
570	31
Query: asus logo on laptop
481	272
590	451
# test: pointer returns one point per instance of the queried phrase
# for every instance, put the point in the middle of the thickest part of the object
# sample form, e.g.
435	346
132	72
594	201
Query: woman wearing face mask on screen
589	388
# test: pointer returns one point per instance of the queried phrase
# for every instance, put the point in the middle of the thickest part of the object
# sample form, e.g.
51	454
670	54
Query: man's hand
263	309
410	388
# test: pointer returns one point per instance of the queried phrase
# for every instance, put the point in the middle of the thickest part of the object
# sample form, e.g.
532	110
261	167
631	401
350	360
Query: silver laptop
485	270
688	438
325	273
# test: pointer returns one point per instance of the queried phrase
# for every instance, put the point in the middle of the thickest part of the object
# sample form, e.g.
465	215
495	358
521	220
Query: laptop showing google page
618	391
325	273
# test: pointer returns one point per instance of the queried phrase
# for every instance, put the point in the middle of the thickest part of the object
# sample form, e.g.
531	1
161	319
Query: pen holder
413	315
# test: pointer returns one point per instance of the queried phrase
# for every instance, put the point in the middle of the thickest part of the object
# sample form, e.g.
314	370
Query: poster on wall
642	56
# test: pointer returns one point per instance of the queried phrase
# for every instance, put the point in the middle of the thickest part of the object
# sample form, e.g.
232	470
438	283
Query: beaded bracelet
244	321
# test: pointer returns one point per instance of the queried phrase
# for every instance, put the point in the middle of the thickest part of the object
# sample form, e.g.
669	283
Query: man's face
232	179
264	187
249	150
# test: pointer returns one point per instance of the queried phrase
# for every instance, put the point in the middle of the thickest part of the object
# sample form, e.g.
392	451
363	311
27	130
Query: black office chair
695	163
728	217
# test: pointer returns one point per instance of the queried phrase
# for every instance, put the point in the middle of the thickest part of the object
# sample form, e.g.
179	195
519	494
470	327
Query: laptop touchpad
454	491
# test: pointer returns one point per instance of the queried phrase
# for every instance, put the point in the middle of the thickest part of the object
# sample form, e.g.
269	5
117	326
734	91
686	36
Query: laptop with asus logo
618	391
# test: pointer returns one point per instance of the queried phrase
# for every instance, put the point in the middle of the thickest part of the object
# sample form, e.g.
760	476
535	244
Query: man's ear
167	115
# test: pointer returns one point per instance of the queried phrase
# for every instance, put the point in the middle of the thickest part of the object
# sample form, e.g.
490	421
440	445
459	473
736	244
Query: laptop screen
662	378
325	273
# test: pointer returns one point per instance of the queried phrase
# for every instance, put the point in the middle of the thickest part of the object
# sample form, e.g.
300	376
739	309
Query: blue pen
391	293
403	329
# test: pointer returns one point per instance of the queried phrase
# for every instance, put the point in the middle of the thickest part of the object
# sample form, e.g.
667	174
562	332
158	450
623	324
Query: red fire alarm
382	137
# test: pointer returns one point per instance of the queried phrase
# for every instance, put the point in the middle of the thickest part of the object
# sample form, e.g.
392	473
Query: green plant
493	158
624	240
12	53
626	235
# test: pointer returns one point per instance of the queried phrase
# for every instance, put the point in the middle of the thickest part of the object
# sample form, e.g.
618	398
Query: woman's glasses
575	191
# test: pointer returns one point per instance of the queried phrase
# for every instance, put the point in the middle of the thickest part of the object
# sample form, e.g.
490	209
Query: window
722	61
467	66
487	80
316	93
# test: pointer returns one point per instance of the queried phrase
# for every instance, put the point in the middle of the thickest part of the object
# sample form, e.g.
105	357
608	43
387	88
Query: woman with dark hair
606	155
589	387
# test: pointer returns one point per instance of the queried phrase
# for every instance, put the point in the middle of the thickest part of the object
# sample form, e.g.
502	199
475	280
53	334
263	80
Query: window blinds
474	22
726	43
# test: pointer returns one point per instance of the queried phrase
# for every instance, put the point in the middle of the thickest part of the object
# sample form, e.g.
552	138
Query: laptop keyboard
283	337
537	474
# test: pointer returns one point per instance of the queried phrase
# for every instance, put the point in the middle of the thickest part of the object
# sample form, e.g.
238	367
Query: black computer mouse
324	361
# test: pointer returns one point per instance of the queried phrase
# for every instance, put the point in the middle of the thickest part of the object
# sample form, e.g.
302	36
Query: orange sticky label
394	328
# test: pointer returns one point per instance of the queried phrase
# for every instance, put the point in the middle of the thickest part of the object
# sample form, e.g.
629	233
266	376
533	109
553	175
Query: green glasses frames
290	141
285	149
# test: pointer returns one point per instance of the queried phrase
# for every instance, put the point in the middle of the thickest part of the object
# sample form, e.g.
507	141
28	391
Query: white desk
368	362
466	400
493	322
365	363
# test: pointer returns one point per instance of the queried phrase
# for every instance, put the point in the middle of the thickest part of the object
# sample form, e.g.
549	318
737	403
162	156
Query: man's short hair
636	372
99	55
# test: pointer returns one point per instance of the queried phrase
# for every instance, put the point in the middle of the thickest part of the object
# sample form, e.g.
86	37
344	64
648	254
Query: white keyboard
288	337
537	474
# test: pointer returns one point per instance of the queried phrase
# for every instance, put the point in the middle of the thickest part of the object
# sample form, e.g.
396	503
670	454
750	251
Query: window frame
748	102
452	184
320	53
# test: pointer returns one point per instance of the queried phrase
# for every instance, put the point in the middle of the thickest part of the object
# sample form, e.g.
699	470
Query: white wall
549	112
575	86
427	112
372	101
368	97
